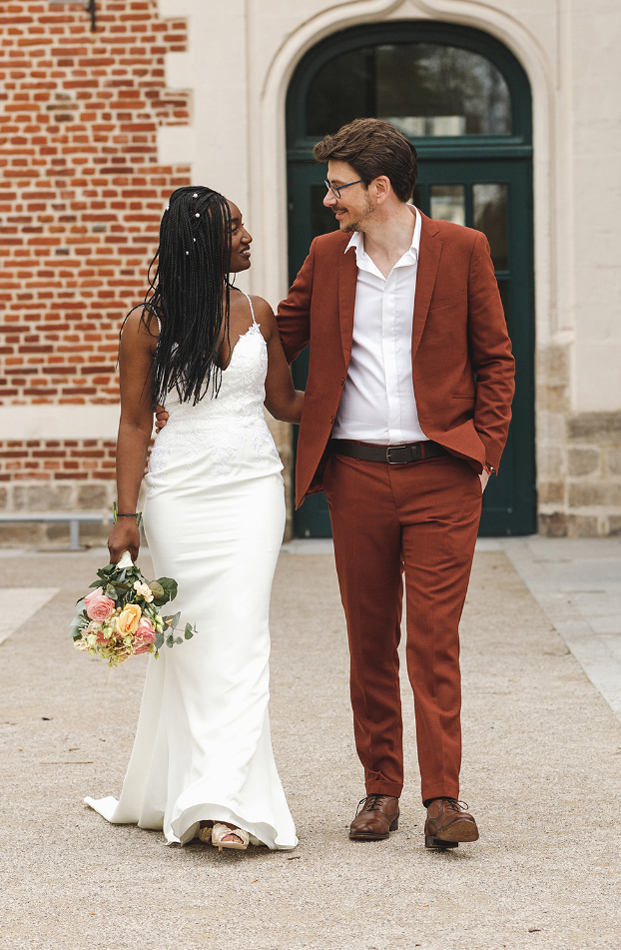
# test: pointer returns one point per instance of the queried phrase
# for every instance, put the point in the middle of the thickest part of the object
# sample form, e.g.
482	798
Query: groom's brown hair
373	147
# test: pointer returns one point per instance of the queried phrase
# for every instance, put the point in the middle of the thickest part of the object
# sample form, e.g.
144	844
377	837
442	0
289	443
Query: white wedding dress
214	520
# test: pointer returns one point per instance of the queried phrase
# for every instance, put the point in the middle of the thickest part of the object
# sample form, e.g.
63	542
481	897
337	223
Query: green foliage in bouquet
121	617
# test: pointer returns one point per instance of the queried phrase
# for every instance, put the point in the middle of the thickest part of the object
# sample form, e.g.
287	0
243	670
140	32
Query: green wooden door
477	180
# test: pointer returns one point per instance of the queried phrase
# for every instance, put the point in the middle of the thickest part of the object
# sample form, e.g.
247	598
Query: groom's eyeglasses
337	189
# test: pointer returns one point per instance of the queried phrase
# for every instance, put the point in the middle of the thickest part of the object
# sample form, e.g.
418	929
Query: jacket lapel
348	275
428	260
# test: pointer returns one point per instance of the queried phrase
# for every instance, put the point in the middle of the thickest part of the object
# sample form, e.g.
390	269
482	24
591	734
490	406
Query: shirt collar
357	239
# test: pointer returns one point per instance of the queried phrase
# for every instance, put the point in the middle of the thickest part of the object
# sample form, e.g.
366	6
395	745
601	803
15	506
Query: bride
202	763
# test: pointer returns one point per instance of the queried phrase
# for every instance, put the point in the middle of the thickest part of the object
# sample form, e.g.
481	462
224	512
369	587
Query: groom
405	417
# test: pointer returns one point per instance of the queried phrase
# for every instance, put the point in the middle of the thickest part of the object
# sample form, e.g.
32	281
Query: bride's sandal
204	834
224	837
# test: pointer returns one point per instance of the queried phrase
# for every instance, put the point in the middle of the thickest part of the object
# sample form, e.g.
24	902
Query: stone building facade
97	129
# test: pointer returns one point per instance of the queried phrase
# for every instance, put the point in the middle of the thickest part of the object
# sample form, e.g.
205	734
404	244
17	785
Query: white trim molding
58	422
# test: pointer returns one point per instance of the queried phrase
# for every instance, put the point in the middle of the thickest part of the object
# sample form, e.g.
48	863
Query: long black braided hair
190	294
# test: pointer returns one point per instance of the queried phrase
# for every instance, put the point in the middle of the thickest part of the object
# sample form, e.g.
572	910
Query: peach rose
98	606
129	619
145	635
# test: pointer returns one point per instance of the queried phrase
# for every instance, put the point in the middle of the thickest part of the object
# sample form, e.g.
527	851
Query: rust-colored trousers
421	520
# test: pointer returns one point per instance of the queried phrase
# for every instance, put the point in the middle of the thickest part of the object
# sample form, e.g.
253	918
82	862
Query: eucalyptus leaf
178	640
170	640
157	590
189	633
75	631
111	592
169	586
159	641
175	620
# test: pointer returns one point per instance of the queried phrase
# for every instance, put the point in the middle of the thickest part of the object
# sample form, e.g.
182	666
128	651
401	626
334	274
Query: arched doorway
464	101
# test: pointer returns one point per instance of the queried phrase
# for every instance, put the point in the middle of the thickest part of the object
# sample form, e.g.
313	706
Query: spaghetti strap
254	322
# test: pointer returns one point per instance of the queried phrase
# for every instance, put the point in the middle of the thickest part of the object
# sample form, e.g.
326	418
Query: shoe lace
370	803
455	805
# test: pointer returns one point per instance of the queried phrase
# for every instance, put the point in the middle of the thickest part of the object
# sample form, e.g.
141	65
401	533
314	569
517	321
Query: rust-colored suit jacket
462	365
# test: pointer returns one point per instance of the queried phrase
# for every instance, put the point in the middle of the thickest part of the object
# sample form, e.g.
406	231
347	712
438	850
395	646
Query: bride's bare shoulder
263	314
140	328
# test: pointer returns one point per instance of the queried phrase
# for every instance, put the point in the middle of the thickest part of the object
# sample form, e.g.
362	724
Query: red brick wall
81	196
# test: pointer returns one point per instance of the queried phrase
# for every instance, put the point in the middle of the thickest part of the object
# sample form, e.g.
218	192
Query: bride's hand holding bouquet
120	617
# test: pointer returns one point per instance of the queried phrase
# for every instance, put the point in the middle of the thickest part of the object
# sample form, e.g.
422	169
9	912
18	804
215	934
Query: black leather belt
393	454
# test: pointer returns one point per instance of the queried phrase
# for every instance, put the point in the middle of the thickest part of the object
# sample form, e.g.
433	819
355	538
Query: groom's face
355	205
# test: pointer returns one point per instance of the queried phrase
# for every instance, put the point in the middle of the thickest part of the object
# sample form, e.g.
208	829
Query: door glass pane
323	220
344	89
448	203
424	89
490	216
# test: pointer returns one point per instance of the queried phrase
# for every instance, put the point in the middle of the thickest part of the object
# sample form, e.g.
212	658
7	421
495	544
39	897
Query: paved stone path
542	771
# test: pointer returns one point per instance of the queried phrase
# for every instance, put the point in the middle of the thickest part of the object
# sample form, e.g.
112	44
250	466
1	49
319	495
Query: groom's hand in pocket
161	418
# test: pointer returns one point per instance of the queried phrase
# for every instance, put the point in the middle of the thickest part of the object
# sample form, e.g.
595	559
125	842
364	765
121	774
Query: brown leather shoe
376	816
447	824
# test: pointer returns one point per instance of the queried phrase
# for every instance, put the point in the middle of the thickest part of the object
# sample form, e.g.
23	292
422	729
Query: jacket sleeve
492	360
294	313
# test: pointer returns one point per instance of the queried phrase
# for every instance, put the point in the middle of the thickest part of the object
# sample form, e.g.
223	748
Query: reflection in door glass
448	203
490	216
424	89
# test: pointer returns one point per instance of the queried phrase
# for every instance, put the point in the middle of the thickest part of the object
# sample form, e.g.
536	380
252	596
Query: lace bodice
222	428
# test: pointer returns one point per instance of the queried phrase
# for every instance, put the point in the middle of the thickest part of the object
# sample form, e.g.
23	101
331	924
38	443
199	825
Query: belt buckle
391	449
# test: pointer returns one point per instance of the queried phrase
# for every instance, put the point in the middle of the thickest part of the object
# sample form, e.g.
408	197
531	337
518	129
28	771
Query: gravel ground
542	770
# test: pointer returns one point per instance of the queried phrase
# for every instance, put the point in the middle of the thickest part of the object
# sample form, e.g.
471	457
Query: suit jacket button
343	382
331	418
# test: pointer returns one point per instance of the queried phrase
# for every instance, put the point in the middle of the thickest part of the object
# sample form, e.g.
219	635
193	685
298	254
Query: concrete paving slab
542	771
577	583
21	603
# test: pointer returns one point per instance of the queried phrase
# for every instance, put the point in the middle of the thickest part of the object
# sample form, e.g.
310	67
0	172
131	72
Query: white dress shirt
378	403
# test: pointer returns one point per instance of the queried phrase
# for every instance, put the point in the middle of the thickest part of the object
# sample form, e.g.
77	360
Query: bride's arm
136	364
281	399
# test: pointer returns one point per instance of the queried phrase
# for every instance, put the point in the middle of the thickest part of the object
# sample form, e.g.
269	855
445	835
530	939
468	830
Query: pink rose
145	635
98	606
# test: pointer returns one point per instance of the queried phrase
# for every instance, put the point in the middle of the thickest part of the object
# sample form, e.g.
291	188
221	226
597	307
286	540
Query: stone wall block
551	493
94	496
613	460
4	498
551	428
602	428
590	493
553	364
553	398
91	534
582	526
551	463
553	524
614	526
43	496
583	461
14	535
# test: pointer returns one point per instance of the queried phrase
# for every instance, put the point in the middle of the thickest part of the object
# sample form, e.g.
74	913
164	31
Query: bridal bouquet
120	618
